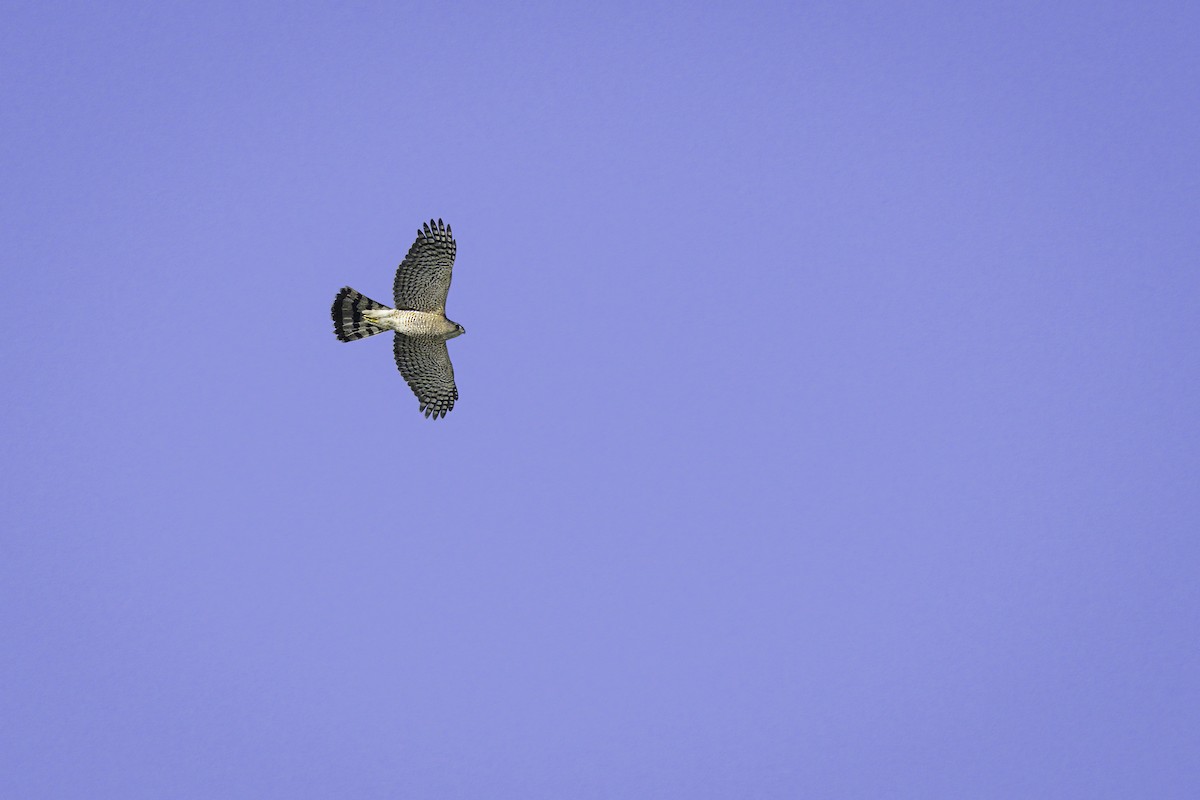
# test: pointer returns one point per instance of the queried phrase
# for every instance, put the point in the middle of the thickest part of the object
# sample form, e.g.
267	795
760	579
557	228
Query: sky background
828	418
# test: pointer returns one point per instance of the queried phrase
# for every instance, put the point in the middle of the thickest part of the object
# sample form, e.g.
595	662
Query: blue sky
827	422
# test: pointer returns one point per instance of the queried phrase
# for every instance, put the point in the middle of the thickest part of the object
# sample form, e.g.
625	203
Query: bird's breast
423	323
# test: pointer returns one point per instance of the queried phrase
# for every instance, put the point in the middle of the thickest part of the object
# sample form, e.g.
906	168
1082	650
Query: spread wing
425	365
423	279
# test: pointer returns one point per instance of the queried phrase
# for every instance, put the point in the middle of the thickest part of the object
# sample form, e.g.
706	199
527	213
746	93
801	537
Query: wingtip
433	412
434	229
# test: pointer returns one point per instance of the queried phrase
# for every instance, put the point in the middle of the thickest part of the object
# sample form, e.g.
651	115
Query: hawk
419	318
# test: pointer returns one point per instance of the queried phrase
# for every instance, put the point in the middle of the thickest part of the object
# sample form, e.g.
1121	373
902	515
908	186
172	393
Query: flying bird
419	318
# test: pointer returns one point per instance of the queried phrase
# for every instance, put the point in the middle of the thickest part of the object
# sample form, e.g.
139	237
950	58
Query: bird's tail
349	325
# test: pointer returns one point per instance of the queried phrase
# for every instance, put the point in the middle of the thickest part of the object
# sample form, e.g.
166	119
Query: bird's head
459	330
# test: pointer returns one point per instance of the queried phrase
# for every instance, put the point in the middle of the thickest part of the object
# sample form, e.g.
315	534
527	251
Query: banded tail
349	325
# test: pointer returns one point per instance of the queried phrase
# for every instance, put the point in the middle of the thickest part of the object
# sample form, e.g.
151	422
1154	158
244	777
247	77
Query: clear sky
828	418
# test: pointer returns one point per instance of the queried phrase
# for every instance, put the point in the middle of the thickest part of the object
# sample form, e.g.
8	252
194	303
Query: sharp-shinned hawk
419	318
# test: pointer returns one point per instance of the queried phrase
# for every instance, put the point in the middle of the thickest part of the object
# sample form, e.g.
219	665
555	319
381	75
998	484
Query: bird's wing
425	365
423	279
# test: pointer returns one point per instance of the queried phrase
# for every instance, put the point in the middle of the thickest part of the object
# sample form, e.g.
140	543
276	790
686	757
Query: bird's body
422	324
419	318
